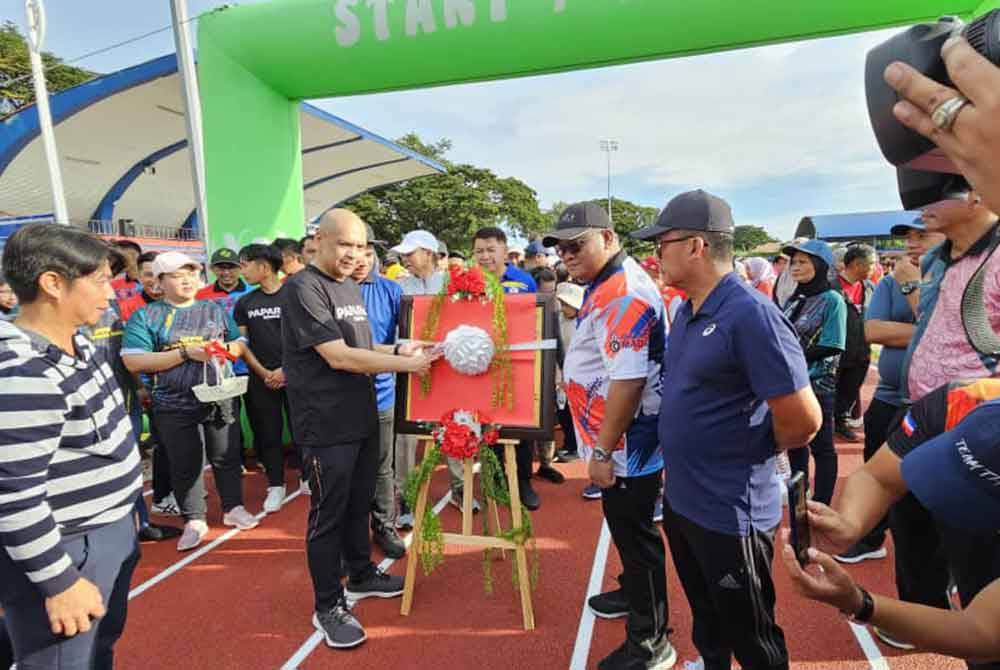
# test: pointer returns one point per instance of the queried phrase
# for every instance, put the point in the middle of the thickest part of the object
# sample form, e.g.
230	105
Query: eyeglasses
573	246
663	243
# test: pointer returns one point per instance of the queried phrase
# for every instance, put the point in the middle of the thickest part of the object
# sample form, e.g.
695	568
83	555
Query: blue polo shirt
889	304
516	280
382	297
720	367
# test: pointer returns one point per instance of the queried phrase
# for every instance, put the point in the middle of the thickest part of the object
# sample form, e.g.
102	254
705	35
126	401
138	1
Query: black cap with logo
576	220
694	210
225	256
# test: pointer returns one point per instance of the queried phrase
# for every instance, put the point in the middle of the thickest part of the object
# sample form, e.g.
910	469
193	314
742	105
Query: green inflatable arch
257	61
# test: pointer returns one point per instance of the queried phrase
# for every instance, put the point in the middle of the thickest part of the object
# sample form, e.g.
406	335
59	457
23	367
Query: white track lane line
314	640
875	659
179	565
585	631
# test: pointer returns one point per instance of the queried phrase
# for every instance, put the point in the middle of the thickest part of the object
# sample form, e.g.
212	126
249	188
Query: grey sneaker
240	518
339	627
194	532
374	584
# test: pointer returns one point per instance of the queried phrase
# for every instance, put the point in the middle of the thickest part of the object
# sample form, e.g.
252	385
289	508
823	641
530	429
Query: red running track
247	602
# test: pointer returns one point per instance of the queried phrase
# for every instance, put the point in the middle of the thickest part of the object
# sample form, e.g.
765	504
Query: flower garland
472	285
468	434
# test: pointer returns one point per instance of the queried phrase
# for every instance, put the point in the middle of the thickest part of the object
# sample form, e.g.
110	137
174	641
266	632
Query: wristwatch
906	288
601	455
863	615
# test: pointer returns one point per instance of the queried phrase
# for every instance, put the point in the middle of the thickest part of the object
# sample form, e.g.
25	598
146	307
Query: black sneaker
652	654
388	539
563	456
845	432
529	498
609	605
549	473
339	627
374	584
157	533
860	552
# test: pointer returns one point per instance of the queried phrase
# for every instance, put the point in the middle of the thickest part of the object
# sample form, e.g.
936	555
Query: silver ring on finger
944	115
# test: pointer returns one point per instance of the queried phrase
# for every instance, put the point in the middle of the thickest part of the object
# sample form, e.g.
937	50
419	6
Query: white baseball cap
172	261
417	239
570	293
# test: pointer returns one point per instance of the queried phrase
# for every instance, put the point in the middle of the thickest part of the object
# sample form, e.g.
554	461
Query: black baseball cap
576	220
224	256
371	236
694	210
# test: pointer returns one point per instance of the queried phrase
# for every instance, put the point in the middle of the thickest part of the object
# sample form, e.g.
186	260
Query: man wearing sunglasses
612	378
735	392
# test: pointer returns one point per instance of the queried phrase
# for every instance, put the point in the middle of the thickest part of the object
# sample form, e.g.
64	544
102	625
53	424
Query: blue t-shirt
382	297
820	322
889	304
161	326
721	366
516	280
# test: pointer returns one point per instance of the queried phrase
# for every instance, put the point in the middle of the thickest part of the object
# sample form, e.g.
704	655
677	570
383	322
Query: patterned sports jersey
620	335
939	411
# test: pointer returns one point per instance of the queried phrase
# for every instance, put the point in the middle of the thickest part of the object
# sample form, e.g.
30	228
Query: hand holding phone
798	517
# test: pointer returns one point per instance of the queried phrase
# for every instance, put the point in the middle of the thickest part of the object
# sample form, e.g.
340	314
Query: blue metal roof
852	226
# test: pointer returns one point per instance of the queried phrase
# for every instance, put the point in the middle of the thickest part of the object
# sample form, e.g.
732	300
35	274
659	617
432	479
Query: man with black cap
735	392
611	374
382	297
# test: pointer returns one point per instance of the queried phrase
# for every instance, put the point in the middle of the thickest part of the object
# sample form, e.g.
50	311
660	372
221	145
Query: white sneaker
166	507
275	499
194	532
240	518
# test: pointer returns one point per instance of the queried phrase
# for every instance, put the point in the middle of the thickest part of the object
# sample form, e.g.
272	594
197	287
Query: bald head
342	239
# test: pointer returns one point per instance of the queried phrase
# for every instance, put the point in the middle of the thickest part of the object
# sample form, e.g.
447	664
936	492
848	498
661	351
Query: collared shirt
721	366
619	336
382	297
889	304
940	352
516	280
413	285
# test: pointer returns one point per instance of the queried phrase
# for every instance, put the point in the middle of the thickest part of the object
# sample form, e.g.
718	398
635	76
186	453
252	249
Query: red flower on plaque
463	432
467	284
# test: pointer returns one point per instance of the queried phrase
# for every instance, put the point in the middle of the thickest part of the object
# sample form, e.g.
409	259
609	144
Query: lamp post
36	40
607	146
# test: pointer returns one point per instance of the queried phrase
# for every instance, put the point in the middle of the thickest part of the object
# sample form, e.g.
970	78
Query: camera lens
983	35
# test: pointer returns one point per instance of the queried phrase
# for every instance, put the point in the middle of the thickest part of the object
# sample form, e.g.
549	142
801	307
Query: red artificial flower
475	281
491	436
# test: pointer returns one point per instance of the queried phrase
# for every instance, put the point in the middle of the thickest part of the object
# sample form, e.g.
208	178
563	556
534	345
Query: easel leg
494	512
467	496
413	555
523	578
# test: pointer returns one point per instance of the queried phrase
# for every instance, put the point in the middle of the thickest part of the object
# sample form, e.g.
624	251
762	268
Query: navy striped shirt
68	457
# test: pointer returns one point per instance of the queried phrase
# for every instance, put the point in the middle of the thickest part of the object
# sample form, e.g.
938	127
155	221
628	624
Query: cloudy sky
781	132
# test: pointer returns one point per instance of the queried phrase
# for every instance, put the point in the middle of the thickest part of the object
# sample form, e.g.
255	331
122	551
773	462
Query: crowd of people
690	382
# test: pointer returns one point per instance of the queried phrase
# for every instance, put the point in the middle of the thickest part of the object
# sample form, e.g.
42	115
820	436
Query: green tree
16	87
746	238
452	205
628	217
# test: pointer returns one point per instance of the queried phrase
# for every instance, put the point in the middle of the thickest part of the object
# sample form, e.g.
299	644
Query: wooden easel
467	538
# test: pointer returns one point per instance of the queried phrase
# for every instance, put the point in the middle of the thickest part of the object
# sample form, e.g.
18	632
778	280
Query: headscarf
759	270
819	283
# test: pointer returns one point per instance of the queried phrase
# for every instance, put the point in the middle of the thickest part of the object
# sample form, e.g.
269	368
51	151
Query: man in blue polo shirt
735	392
382	297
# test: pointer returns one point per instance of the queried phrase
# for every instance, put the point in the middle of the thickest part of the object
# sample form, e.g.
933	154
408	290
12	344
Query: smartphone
798	518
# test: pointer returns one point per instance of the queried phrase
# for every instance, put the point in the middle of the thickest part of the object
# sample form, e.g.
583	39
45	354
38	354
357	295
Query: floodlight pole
192	111
607	146
35	11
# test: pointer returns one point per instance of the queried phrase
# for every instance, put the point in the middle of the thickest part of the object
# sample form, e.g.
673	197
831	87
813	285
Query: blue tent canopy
844	227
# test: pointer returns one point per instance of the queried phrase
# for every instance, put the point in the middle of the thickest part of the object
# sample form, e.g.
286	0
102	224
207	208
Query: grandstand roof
123	152
865	225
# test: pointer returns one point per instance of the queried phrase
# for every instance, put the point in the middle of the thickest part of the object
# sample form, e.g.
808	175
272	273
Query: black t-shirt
260	314
328	406
940	411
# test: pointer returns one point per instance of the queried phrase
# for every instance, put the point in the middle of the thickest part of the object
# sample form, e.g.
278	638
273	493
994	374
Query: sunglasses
572	247
663	243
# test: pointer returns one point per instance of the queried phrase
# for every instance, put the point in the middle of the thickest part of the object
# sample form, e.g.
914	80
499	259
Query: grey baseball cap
694	210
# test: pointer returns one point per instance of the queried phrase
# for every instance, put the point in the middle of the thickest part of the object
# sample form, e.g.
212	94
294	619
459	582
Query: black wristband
864	615
184	354
395	350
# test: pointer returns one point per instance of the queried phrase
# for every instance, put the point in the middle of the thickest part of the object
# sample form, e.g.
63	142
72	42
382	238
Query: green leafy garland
494	485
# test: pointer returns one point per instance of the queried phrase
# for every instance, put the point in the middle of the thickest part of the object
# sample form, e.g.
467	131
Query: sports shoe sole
667	663
867	556
358	595
606	615
233	524
336	645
